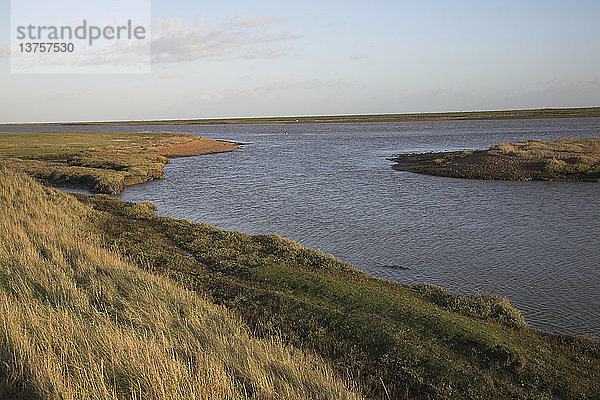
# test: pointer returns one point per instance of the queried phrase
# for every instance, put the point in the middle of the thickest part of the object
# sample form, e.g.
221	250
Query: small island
531	160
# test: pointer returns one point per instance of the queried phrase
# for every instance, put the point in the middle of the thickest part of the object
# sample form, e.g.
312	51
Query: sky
284	58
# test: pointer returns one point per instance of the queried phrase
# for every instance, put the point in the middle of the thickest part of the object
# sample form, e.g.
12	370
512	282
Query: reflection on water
329	186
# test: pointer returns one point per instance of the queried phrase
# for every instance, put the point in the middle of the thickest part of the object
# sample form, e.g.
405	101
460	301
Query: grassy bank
445	116
79	321
104	162
102	296
559	160
399	342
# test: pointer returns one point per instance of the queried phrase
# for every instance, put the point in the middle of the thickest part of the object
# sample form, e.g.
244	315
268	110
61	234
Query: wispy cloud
167	25
245	21
184	43
174	41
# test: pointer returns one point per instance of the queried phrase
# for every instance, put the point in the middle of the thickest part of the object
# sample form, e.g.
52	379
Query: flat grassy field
459	115
104	162
398	342
558	160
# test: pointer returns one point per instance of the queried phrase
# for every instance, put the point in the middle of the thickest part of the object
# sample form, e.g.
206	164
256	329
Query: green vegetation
102	298
558	160
466	115
397	341
79	321
103	162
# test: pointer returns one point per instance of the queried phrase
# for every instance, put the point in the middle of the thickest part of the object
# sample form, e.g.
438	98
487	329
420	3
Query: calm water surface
329	186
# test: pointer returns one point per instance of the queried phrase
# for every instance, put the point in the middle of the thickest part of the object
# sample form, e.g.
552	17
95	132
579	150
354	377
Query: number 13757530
46	47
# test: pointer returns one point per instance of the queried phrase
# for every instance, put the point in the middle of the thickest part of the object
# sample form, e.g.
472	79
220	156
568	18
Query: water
329	186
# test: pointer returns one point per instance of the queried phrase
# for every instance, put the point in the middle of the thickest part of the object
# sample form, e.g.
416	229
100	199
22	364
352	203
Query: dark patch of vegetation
558	160
397	341
14	388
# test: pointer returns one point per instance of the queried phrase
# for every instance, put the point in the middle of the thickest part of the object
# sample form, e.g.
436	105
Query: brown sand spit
558	160
104	162
184	146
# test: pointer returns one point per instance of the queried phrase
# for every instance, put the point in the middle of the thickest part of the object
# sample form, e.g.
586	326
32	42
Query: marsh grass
562	158
558	160
482	306
103	162
403	342
79	321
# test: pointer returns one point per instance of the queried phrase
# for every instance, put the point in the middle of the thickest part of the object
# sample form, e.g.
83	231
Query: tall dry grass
78	321
562	158
561	148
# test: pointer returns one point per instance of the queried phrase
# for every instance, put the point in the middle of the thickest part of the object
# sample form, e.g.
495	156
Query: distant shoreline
585	112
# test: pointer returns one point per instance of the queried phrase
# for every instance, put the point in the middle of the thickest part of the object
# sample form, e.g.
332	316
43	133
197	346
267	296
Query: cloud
187	45
167	24
174	41
244	21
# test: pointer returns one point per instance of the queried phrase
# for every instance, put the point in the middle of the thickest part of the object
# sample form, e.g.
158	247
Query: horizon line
290	117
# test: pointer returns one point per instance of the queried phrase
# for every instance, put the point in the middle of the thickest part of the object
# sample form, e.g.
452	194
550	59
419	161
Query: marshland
169	290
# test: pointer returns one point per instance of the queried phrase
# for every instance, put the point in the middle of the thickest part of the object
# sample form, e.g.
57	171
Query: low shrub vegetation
397	341
558	160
